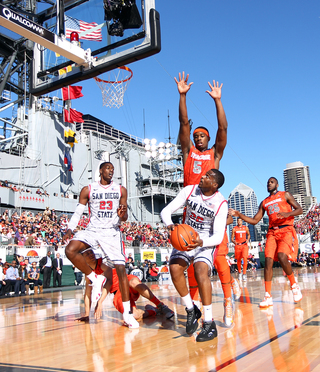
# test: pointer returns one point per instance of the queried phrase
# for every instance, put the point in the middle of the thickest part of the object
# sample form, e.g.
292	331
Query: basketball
182	236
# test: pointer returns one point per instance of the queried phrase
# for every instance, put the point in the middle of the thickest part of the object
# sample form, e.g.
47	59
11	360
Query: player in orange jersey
136	288
282	242
197	157
240	237
228	283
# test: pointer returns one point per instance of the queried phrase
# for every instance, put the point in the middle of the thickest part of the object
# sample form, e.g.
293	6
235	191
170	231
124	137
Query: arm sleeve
73	223
176	203
219	226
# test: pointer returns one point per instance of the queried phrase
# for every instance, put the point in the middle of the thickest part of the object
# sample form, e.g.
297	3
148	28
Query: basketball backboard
122	34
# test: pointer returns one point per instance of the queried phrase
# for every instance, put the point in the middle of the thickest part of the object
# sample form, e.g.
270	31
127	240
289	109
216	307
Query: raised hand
182	84
233	212
215	92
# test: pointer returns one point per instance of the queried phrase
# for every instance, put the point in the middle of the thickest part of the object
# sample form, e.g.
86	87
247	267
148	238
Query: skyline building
244	200
297	181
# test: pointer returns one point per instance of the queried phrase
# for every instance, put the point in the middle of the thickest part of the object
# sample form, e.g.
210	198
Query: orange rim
121	81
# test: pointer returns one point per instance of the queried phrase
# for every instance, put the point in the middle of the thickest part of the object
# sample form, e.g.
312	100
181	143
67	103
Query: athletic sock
155	300
126	307
187	301
267	285
92	276
244	271
239	266
291	279
193	285
223	270
207	313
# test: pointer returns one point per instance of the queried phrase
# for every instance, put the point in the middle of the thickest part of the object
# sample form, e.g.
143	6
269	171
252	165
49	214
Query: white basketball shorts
109	240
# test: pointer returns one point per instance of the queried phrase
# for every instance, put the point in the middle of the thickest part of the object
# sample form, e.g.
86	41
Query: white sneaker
267	301
240	277
244	277
228	312
97	286
165	310
236	289
297	295
130	321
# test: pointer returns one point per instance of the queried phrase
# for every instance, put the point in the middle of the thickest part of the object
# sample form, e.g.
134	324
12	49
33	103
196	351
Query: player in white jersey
107	204
206	212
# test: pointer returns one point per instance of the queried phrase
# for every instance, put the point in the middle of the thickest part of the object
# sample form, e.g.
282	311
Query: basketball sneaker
165	310
228	312
97	286
130	321
267	301
193	316
240	277
297	295
152	311
244	277
208	332
236	289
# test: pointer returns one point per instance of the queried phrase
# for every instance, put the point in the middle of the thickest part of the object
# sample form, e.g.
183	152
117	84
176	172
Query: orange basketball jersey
198	164
273	205
240	234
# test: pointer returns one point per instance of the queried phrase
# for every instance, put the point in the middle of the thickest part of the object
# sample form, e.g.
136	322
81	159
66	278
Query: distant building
244	200
297	182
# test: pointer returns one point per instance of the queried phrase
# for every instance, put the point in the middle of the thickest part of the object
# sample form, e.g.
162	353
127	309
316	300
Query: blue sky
266	54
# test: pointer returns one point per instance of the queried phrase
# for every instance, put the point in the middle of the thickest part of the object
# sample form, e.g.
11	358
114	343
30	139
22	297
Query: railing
108	130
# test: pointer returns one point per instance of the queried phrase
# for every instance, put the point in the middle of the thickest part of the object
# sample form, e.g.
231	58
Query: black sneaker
192	319
208	332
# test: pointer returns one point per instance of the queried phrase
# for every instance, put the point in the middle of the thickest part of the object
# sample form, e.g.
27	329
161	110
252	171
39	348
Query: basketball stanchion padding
114	85
182	236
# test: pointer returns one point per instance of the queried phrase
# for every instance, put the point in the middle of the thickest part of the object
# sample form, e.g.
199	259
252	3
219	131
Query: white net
113	85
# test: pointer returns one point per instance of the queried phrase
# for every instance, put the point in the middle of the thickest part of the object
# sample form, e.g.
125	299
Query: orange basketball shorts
134	295
282	240
241	251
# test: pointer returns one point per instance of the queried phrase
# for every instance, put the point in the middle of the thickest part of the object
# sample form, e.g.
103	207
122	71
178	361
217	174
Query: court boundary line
242	355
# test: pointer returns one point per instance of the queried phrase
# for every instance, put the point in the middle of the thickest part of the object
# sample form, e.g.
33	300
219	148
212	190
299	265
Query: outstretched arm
73	223
87	302
184	131
221	137
252	221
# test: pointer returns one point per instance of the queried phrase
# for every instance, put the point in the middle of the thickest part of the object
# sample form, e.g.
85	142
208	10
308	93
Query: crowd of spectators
47	228
310	223
43	228
142	235
17	277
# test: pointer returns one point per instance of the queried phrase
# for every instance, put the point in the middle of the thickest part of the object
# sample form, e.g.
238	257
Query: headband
201	130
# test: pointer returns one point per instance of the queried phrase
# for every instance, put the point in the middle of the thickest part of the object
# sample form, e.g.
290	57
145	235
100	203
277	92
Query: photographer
129	265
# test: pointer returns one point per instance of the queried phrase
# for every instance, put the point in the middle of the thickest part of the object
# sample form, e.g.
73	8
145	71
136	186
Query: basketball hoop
114	85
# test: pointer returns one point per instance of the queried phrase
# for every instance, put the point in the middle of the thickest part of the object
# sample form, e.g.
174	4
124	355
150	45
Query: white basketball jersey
104	201
201	211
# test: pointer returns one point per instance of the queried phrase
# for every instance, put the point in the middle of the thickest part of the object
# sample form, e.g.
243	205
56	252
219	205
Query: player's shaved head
104	164
274	178
218	176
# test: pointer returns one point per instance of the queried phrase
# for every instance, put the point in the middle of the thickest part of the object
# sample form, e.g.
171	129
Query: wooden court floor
38	333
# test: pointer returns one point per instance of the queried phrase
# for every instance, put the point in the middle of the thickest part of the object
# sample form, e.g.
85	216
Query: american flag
73	24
